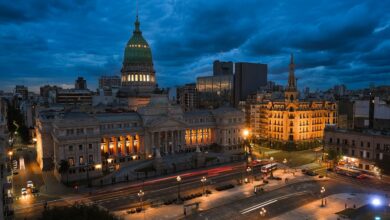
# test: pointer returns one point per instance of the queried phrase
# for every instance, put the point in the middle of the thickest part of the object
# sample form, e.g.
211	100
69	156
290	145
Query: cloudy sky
53	42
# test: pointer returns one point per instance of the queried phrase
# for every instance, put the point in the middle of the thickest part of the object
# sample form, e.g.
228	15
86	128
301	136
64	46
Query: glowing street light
322	196
376	202
141	195
203	180
245	133
178	179
263	211
285	162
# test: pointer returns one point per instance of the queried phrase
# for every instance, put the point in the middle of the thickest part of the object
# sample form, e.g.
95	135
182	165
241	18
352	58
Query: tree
334	156
384	164
77	212
64	168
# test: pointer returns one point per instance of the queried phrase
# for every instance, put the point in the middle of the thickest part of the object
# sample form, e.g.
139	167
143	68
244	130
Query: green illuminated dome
138	75
137	49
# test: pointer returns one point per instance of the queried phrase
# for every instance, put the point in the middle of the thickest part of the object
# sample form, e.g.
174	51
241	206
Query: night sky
334	42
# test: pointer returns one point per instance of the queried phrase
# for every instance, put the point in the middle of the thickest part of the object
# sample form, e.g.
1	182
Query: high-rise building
138	74
290	120
108	82
80	83
187	97
21	91
248	78
222	68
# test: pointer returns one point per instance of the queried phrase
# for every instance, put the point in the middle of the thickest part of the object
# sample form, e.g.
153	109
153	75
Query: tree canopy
77	212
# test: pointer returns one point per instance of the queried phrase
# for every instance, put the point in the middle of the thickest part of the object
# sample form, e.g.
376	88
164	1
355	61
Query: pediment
166	122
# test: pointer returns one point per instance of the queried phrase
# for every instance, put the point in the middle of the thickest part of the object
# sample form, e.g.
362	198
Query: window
90	146
80	147
71	161
81	160
353	153
330	140
361	143
378	146
368	155
338	140
70	148
353	143
90	159
368	144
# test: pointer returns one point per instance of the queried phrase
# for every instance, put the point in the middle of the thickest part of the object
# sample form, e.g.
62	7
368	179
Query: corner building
290	120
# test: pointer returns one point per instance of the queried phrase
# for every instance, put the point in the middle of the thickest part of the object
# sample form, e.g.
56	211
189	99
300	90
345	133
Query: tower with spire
291	93
138	75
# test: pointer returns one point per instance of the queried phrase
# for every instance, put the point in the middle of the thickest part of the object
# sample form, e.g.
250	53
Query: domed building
137	75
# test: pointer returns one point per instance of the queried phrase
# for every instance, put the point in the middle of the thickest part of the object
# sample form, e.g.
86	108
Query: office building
248	78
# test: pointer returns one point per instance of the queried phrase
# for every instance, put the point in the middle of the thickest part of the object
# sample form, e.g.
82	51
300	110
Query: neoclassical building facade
90	141
290	119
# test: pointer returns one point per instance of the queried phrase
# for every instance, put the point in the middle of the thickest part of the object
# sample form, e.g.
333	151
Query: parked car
362	176
30	184
311	173
24	191
15	172
34	190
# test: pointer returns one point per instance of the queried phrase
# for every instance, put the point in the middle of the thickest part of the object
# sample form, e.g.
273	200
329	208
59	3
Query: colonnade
124	145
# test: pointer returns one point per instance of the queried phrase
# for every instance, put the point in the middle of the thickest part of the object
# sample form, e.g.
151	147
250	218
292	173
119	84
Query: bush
224	187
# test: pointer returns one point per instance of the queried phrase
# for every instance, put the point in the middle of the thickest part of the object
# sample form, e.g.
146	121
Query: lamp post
285	162
178	179
322	196
141	195
248	170
263	211
245	134
203	180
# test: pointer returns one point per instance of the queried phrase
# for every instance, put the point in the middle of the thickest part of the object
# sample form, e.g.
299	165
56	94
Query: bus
269	167
347	172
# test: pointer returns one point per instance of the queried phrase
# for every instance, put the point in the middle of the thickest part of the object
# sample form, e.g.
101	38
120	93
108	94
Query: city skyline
84	39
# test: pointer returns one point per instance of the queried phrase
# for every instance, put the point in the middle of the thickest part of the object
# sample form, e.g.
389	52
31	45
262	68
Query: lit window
147	78
128	78
136	77
132	77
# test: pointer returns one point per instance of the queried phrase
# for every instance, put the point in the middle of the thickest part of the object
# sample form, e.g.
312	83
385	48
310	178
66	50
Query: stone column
123	147
131	147
116	146
106	147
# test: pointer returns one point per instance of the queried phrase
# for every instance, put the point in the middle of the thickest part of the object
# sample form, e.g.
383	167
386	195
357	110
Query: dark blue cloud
333	41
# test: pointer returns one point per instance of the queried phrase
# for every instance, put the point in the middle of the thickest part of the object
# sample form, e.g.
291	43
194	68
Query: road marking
252	208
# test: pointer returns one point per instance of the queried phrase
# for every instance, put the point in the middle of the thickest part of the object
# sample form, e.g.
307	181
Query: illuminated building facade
359	149
290	119
92	141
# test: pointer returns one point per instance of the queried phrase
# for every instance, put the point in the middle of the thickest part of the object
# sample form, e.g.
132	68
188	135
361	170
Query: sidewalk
335	203
52	186
216	198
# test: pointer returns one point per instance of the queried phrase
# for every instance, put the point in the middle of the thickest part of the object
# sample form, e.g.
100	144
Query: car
24	191
361	176
15	172
311	173
30	184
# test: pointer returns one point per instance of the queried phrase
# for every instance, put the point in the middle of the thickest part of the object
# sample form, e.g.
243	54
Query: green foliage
77	212
333	156
16	123
384	164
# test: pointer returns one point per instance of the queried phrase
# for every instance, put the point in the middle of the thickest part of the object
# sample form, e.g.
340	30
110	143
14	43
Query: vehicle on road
269	167
24	191
311	173
30	184
362	176
15	172
347	172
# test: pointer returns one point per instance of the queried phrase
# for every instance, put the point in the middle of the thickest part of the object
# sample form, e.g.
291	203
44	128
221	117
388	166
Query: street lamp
322	196
248	170
263	211
203	180
248	149
178	179
141	195
285	162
